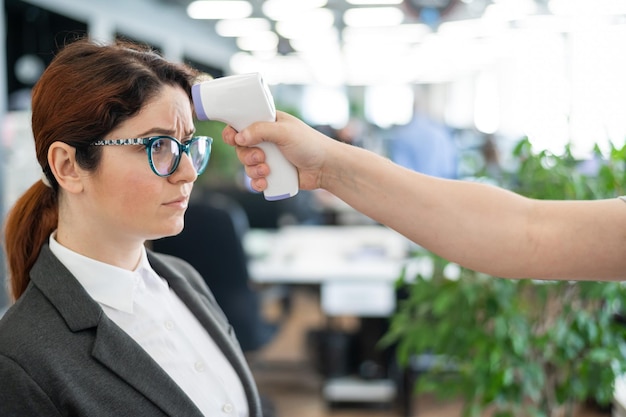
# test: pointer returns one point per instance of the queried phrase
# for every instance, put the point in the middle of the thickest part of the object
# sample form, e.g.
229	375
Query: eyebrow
163	131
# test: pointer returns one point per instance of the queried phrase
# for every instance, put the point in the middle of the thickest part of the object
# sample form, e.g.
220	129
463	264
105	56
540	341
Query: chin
174	232
171	231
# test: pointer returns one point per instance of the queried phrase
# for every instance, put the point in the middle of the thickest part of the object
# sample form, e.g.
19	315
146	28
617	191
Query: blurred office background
480	74
491	71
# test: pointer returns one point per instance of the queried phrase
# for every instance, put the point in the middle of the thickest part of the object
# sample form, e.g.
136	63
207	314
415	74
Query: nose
185	171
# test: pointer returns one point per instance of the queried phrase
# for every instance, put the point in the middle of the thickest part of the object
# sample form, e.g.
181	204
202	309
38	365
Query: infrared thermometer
239	101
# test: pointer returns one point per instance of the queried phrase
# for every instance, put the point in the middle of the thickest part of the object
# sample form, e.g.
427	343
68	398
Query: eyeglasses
164	152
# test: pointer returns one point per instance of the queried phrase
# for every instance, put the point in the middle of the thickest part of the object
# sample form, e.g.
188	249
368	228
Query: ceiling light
279	70
373	16
510	11
586	9
407	33
325	41
242	27
473	28
214	9
285	9
306	24
373	2
263	41
546	23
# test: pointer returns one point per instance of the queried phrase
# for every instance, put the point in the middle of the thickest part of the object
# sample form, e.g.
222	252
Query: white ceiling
165	23
467	39
336	58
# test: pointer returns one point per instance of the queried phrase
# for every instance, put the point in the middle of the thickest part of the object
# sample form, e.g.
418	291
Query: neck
118	252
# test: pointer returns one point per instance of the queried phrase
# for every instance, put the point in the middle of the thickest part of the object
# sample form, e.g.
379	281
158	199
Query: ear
62	162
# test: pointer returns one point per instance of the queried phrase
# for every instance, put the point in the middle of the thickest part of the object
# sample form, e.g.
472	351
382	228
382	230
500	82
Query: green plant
224	167
519	347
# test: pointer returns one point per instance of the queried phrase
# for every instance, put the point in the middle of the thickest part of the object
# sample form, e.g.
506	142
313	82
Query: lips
178	201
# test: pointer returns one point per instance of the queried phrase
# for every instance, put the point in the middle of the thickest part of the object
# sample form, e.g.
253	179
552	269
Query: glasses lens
199	152
164	154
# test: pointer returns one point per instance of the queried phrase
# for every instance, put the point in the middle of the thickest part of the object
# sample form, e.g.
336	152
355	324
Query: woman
481	227
101	326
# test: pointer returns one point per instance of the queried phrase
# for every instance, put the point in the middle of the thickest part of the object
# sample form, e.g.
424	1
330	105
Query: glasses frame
148	141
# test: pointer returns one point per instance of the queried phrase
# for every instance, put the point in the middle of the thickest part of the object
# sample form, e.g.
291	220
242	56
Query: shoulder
21	393
32	329
30	309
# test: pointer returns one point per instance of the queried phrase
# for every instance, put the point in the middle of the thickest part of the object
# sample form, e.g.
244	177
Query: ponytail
28	225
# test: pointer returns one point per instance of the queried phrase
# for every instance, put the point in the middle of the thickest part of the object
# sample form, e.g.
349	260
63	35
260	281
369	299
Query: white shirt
143	305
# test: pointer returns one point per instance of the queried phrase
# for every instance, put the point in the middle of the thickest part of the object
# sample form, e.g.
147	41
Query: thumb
254	134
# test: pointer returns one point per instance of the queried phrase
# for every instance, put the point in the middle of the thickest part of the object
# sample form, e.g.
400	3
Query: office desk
356	268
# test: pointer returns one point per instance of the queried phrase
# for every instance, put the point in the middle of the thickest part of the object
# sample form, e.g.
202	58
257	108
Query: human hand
303	146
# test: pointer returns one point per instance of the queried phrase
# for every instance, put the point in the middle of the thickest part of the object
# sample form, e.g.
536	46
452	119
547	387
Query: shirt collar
106	284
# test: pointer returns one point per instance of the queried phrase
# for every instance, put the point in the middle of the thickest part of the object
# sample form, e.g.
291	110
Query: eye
160	145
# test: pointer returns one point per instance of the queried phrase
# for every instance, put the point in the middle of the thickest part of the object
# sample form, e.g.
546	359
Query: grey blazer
61	356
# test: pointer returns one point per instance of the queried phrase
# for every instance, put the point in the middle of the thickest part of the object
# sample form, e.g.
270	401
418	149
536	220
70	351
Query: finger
257	171
263	131
256	133
228	135
258	184
250	156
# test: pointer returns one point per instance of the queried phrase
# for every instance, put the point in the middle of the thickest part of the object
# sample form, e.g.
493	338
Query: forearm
480	226
446	217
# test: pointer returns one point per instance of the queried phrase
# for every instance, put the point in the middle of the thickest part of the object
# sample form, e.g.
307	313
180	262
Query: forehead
171	102
170	110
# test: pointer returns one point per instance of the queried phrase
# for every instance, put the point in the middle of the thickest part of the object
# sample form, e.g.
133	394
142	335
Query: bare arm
482	227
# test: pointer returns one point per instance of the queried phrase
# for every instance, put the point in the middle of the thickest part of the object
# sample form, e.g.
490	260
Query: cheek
126	188
137	194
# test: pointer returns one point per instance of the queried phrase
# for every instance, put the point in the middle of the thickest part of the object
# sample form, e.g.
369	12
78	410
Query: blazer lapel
112	346
120	353
204	307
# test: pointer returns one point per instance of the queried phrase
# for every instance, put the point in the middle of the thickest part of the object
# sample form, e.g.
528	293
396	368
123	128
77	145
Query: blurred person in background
424	144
